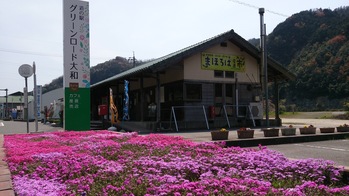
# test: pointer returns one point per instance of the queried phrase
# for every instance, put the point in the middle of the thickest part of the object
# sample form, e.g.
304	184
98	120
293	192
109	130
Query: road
336	150
17	127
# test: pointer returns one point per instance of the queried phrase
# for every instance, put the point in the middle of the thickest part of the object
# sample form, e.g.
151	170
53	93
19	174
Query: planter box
327	130
219	135
271	132
288	131
310	130
342	129
242	134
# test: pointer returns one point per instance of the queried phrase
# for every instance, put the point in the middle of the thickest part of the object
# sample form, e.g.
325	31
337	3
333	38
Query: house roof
275	69
18	93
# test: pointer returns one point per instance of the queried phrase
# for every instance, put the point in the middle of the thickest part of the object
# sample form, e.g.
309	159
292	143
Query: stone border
6	187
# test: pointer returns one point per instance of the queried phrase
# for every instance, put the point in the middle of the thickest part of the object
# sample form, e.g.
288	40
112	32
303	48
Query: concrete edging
286	139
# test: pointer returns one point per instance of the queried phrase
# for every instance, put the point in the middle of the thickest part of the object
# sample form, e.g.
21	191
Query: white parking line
1	124
322	147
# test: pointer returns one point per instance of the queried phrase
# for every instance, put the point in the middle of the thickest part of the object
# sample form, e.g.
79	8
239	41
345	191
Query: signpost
35	99
76	79
26	71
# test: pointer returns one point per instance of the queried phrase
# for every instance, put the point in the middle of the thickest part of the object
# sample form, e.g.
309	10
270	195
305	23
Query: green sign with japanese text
222	62
77	109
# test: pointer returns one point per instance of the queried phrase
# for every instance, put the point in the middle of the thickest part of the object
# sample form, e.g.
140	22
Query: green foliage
282	106
346	106
314	45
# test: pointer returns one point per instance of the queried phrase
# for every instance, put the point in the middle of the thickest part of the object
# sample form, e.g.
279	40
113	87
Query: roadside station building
212	84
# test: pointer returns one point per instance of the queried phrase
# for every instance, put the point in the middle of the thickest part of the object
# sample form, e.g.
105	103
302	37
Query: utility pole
35	99
264	63
133	59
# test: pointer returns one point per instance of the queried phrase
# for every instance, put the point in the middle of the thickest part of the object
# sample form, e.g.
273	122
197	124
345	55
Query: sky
32	31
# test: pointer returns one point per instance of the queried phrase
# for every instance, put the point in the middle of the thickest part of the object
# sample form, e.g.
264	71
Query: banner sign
76	80
222	62
38	100
126	116
113	109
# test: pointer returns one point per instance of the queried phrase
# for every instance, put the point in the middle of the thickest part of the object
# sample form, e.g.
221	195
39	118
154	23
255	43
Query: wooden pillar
142	97
277	108
158	104
117	102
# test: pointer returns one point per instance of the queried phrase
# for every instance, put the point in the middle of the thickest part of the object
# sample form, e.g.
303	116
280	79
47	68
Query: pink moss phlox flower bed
109	163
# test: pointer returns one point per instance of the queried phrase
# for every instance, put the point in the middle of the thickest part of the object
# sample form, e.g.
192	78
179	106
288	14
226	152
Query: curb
6	187
286	139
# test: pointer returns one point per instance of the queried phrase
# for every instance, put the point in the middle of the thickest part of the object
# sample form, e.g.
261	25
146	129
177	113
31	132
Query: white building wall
50	97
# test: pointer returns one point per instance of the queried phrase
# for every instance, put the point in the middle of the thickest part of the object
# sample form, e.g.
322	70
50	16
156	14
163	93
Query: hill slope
314	45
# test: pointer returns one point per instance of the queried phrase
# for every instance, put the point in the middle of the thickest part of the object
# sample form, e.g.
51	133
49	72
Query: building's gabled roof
18	93
275	70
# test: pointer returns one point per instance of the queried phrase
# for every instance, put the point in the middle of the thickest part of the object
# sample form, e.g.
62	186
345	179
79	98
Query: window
174	92
218	88
193	92
222	74
229	74
229	90
218	74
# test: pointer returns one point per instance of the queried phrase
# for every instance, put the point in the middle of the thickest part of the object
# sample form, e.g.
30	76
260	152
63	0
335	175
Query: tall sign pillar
76	80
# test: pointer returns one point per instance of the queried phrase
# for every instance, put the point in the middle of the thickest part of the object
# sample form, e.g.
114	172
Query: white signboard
76	44
25	70
76	78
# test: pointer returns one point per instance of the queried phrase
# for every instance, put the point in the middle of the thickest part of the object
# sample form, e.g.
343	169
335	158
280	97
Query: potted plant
308	130
343	128
327	130
271	132
222	134
245	133
288	131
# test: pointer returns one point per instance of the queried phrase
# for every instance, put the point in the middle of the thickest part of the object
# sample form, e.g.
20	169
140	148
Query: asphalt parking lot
336	150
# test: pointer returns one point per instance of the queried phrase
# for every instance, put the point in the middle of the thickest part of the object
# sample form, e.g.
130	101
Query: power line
29	53
40	54
31	39
256	7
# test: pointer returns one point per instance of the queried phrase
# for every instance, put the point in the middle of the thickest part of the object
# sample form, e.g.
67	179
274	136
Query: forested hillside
314	45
